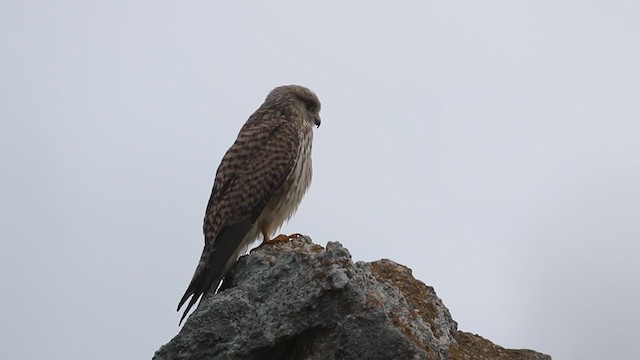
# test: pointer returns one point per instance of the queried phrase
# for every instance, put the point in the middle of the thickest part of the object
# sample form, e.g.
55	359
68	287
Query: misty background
493	147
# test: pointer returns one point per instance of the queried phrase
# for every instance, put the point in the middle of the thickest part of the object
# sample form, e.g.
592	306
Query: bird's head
305	101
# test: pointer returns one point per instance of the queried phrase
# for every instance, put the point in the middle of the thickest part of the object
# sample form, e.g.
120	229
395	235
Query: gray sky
493	147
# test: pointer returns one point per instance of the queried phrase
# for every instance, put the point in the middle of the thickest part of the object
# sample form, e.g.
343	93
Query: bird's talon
282	238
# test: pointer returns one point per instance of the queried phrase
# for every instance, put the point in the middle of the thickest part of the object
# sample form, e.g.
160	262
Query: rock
301	301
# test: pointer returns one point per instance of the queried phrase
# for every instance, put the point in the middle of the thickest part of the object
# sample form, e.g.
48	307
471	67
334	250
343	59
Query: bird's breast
287	199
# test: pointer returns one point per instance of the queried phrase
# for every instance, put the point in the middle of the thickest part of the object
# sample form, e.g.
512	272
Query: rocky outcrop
299	300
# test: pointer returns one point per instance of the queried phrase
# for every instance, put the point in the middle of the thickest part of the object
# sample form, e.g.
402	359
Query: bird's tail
197	286
216	259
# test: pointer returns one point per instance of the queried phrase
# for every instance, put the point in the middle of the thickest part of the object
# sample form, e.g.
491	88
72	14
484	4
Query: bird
259	184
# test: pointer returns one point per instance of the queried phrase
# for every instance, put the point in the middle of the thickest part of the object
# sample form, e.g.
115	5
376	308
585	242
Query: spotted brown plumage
259	183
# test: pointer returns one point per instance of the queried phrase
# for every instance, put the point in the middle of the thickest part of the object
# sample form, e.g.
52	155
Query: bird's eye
309	105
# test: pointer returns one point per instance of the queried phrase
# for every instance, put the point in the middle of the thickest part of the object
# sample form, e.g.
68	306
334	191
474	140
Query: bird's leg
265	235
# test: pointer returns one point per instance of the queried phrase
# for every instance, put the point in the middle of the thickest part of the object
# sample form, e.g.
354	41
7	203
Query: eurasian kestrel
259	184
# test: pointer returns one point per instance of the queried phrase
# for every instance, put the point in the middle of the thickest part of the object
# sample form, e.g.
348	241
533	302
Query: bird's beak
317	121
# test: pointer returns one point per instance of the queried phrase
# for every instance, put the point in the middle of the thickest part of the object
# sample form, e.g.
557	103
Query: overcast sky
493	147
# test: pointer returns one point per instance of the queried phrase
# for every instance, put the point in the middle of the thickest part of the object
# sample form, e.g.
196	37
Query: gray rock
301	301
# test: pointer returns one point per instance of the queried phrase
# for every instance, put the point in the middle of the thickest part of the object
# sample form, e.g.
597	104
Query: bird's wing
253	169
